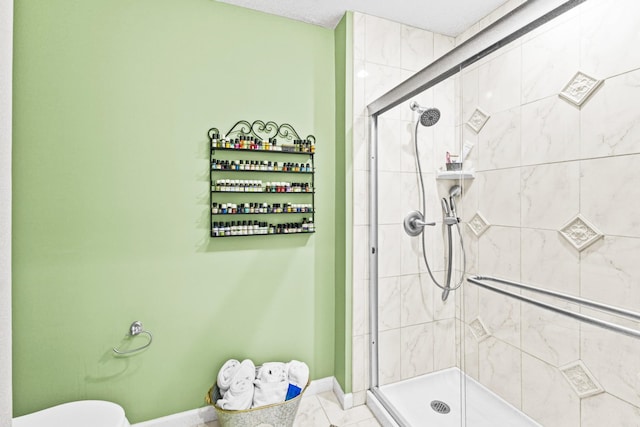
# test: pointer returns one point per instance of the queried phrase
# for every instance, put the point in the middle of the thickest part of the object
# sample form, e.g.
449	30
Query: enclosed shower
502	292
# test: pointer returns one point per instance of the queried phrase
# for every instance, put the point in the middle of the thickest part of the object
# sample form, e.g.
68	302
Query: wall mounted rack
248	160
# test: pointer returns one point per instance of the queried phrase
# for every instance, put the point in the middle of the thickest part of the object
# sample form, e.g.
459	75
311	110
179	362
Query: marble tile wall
412	319
541	161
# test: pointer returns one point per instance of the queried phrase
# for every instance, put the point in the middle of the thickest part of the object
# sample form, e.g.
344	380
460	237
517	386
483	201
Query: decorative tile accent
477	120
579	88
478	224
478	330
581	379
580	233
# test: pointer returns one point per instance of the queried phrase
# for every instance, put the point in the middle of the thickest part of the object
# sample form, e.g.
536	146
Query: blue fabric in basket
293	391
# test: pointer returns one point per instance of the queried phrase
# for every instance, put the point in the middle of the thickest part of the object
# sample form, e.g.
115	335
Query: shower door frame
522	20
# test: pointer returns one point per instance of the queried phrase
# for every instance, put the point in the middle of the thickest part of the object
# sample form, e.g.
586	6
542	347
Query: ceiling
449	17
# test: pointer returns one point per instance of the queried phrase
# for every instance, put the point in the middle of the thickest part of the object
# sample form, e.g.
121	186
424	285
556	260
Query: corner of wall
342	53
6	61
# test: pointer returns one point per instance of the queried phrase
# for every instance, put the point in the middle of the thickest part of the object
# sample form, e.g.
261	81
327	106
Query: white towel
272	372
298	373
225	375
271	384
240	393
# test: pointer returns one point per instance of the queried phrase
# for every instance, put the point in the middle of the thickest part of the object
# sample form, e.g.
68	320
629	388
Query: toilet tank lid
82	413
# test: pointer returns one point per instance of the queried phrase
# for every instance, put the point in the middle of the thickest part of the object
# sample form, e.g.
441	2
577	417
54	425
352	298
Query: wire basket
275	415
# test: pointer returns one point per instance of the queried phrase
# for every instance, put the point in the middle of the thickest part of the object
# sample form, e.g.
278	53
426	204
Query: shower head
428	116
455	191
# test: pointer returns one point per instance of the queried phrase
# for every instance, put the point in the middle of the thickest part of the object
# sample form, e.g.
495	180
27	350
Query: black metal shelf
263	192
262	213
245	150
268	234
257	171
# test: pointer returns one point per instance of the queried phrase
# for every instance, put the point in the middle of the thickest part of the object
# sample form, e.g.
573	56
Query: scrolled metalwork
264	130
261	130
287	132
242	128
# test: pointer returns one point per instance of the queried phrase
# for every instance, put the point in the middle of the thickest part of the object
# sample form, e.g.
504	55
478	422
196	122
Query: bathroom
94	247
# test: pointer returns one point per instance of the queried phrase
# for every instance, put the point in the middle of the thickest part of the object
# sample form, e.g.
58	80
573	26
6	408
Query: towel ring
135	329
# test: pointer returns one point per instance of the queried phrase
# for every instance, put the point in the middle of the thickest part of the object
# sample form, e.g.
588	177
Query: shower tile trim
580	88
582	381
580	233
477	120
478	224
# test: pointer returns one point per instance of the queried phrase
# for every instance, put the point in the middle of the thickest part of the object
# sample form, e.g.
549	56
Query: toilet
83	413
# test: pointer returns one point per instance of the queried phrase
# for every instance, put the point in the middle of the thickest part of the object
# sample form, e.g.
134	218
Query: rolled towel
298	377
225	375
240	393
272	372
269	393
298	373
271	384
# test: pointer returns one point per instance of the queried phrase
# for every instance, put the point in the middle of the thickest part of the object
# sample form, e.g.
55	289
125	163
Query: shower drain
440	407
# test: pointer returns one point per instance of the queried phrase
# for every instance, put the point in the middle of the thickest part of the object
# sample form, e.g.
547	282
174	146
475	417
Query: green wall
343	197
112	101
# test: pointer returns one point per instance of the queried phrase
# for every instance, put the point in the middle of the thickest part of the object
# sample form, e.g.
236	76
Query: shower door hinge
373	250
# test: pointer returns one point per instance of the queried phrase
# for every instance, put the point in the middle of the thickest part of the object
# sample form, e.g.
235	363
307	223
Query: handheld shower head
454	192
428	116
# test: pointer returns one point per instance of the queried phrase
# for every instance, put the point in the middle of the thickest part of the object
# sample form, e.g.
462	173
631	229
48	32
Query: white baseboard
192	418
346	400
196	417
320	386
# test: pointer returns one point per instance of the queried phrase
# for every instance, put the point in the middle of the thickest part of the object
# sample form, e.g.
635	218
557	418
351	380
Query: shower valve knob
414	223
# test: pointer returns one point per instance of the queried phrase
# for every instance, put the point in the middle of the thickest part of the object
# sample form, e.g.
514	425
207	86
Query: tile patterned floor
324	410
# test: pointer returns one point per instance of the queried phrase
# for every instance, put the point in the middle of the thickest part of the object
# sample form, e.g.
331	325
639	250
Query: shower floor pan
481	408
